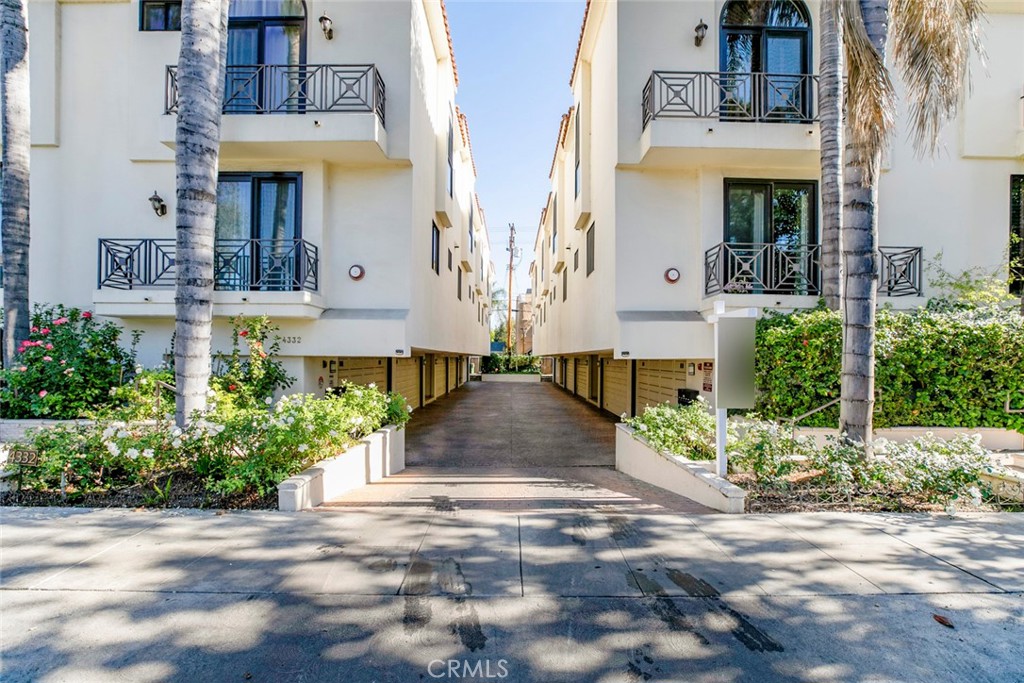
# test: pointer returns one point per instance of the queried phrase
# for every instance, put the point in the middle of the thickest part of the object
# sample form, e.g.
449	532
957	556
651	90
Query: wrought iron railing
778	98
759	268
294	89
271	265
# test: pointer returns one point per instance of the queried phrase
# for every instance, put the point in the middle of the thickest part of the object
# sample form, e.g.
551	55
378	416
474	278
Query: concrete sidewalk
396	593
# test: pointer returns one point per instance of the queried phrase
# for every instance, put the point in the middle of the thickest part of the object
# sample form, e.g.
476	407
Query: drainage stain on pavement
417	584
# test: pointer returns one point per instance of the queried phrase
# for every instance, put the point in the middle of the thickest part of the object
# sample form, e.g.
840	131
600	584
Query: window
771	236
565	283
435	249
258	231
1017	234
578	152
265	37
765	55
554	225
590	250
458	283
576	261
472	240
451	157
164	15
449	260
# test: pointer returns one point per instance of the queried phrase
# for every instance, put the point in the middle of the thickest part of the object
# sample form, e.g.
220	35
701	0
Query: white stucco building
686	174
347	209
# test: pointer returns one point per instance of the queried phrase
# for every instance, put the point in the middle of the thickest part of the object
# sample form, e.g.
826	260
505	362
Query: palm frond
870	96
932	41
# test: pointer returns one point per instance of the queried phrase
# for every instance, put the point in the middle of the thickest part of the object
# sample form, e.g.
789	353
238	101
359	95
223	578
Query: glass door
266	57
785	87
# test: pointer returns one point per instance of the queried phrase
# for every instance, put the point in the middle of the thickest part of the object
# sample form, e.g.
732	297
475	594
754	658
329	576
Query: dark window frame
771	184
591	248
435	249
579	154
576	261
458	283
554	225
565	283
451	157
166	4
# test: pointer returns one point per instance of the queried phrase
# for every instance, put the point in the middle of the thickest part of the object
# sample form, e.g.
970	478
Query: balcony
704	117
795	270
290	110
136	277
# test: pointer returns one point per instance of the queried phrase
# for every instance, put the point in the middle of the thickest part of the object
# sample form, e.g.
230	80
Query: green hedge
933	368
501	363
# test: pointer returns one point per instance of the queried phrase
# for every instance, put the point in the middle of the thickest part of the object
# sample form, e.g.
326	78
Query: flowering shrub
940	470
237	450
247	381
688	431
67	366
767	449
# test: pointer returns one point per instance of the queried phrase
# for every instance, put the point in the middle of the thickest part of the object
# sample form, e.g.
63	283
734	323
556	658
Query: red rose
243	333
232	387
805	342
87	314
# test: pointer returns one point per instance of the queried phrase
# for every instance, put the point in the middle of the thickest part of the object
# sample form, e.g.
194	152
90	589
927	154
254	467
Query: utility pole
511	266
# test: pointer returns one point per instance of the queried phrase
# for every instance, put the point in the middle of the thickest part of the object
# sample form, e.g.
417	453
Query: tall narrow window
554	224
765	58
1017	234
435	249
472	239
458	283
451	157
579	141
565	283
258	231
160	15
266	41
590	250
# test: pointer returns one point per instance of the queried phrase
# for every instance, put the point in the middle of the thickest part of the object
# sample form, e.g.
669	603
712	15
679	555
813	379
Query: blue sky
514	59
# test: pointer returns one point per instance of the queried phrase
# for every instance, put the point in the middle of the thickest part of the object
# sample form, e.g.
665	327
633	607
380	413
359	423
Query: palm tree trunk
200	96
860	266
831	111
17	144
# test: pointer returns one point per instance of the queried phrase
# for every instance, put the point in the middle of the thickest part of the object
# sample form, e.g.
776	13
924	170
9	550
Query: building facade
685	183
346	203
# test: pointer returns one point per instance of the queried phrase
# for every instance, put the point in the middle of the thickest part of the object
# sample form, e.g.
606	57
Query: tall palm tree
831	114
931	43
204	36
14	222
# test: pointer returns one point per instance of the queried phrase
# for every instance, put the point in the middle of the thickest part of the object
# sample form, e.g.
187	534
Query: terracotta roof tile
579	44
464	131
562	130
451	48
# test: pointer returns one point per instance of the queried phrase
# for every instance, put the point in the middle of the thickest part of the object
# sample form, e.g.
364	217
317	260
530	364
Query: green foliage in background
935	368
502	363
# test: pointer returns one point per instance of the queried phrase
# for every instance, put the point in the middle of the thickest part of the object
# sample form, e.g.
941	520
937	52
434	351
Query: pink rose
23	368
87	315
35	329
47	359
60	321
45	330
49	347
42	394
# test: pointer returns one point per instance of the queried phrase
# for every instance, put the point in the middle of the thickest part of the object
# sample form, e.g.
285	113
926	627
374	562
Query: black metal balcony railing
731	268
269	265
294	89
773	98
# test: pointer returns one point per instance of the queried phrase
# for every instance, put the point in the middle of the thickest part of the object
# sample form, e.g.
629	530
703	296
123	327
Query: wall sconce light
327	25
700	30
356	272
672	275
157	202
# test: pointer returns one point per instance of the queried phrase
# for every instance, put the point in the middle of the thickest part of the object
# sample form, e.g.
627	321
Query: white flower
334	433
289	419
210	392
148	453
303	448
176	443
123	434
144	381
108	432
138	369
132	453
408	408
114	450
358	420
219	428
309	427
268	400
176	432
372	385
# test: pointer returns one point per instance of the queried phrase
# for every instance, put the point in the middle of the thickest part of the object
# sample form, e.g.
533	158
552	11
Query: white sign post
726	399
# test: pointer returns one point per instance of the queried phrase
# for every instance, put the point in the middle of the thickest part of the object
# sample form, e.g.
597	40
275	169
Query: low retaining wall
17	431
694	479
991	438
379	455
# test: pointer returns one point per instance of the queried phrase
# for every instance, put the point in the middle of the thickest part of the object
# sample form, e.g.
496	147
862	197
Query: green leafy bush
67	367
938	469
246	381
502	363
688	431
767	449
940	368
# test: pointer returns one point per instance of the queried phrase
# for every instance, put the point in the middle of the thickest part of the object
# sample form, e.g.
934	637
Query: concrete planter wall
18	431
694	479
378	455
991	438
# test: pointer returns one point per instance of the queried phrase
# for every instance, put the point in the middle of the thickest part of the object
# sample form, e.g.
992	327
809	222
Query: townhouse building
684	184
346	203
